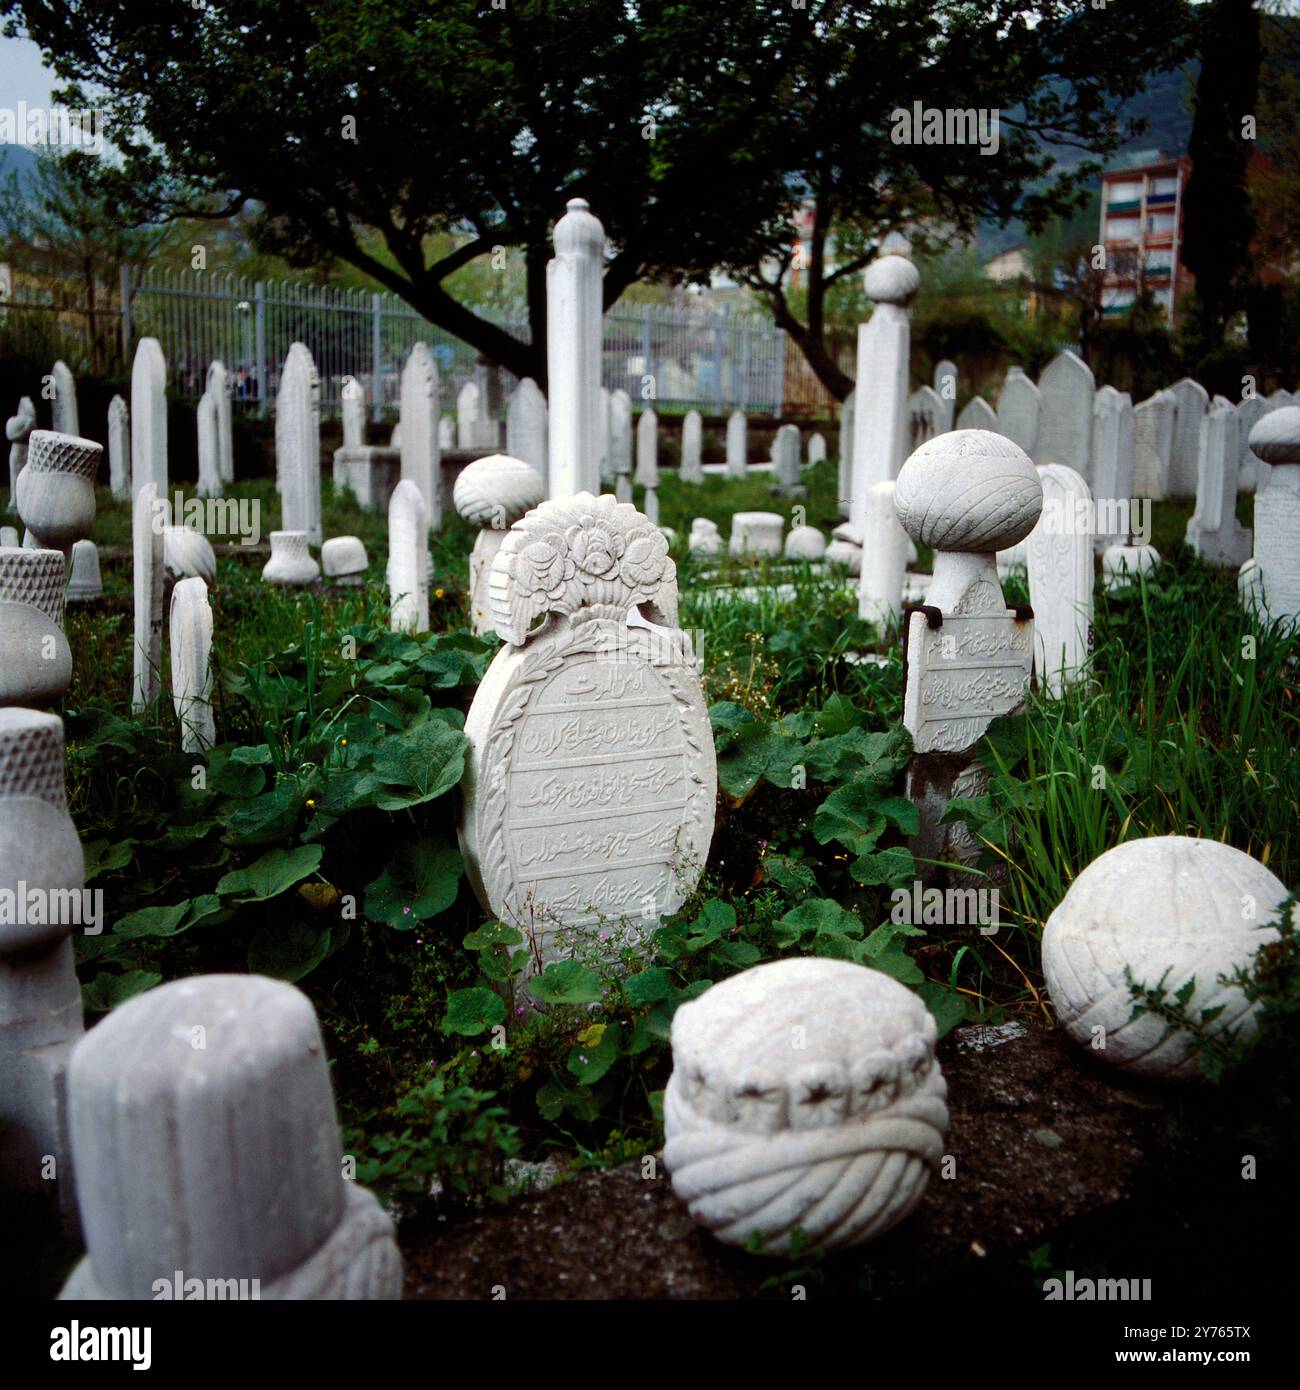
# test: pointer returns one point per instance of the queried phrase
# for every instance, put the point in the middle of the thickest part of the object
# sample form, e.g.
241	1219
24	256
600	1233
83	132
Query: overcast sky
22	78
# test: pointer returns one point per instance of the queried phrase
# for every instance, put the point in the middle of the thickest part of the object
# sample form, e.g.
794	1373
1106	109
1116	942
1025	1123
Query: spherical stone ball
1275	437
805	543
494	492
891	280
1168	908
968	490
805	1095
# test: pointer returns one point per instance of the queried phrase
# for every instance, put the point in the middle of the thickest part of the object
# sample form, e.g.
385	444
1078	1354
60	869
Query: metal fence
691	356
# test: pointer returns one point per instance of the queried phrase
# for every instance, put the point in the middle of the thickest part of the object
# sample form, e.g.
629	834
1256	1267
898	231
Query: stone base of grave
933	780
370	474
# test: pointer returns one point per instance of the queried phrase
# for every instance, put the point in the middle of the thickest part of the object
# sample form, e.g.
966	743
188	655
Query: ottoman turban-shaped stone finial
891	280
493	493
805	1095
203	1125
37	668
1169	908
55	493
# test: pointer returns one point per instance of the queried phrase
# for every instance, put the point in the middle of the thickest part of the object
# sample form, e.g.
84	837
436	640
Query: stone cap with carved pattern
48	451
31	755
34	577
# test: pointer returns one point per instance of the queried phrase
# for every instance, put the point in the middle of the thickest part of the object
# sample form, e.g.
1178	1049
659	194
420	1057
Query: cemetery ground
317	843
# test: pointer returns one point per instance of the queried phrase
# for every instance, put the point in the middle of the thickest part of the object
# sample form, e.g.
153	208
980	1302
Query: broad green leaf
716	919
423	762
947	1006
566	982
271	816
152	921
848	815
819	917
794	875
738	953
838	715
288	950
471	1011
274	873
894	867
648	987
103	856
493	934
589	1060
420	880
106	991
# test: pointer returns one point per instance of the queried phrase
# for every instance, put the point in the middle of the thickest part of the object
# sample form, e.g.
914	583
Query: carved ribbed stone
40	999
190	640
204	1132
590	787
805	1095
493	493
343	559
188	554
37	664
891	280
291	561
1167	908
56	491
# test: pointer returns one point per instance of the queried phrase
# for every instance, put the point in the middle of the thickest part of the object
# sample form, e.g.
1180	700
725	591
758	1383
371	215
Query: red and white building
1142	231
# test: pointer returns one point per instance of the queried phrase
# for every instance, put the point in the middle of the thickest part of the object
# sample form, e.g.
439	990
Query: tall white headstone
737	445
1212	530
190	640
18	429
64	405
847	412
218	387
1018	408
149	417
147	523
408	559
692	470
1112	466
1059	559
945	384
1066	389
816	448
880	426
354	414
785	460
574	335
620	443
977	414
119	449
468	407
297	444
1275	440
421	462
1184	461
209	447
884	557
1153	444
647	461
526	426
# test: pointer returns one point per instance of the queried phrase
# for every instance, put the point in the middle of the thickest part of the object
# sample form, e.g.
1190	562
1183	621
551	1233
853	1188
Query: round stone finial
1275	437
970	491
579	230
891	280
804	1094
1158	911
494	492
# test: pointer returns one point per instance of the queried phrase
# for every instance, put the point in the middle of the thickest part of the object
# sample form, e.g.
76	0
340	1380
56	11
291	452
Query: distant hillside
16	158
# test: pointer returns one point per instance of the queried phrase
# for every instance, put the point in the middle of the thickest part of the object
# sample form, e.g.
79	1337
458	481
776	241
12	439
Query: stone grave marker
84	583
37	666
190	642
1275	440
18	429
64	406
737	444
1184	457
218	387
526	427
756	533
977	414
149	515
297	444
149	417
209	484
945	386
1153	444
620	443
883	562
590	787
692	470
816	450
1058	556
847	411
574	346
408	559
928	415
1250	472
647	461
56	490
1065	414
493	493
119	449
419	447
1112	466
785	461
1019	403
1212	530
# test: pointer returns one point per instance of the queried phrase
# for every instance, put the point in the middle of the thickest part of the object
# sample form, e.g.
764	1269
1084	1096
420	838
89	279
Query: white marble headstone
64	405
149	417
1065	413
1058	556
526	426
1018	408
119	449
1184	459
737	445
692	470
1153	444
1212	530
1112	466
419	406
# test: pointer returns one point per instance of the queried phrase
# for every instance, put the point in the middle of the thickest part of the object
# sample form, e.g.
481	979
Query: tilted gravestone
590	787
492	493
41	866
1058	556
208	1154
1065	412
1212	529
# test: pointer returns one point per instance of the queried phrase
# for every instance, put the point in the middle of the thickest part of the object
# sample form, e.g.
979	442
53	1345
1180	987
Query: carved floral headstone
590	787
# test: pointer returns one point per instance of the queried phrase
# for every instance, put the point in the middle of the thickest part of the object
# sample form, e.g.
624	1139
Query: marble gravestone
149	516
292	563
18	429
190	641
1065	413
37	666
1192	402
85	584
209	484
590	788
408	559
845	477
647	461
737	444
419	448
64	406
704	542
149	417
297	444
1250	471
928	415
977	414
187	553
692	470
756	533
119	449
606	468
1019	403
620	443
207	1148
56	490
1153	444
574	351
785	461
492	493
1112	466
804	543
883	563
1212	530
945	387
343	560
1058	556
526	427
368	472
816	450
1275	440
218	387
40	997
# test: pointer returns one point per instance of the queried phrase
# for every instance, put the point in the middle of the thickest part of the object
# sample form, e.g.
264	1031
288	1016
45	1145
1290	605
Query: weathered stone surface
1275	440
18	429
218	387
977	414
737	444
816	447
419	448
370	474
756	533
1168	909
64	405
1065	414
1250	472
620	443
1019	403
37	664
847	412
526	426
1212	529
704	541
1153	444
190	642
149	417
692	470
882	557
209	484
975	666
1058	556
1192	402
804	543
1121	565
148	520
590	787
40	999
408	559
119	449
188	554
203	1128
835	1133
493	493
945	386
1112	466
56	490
575	306
785	460
297	444
84	583
928	415
292	563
